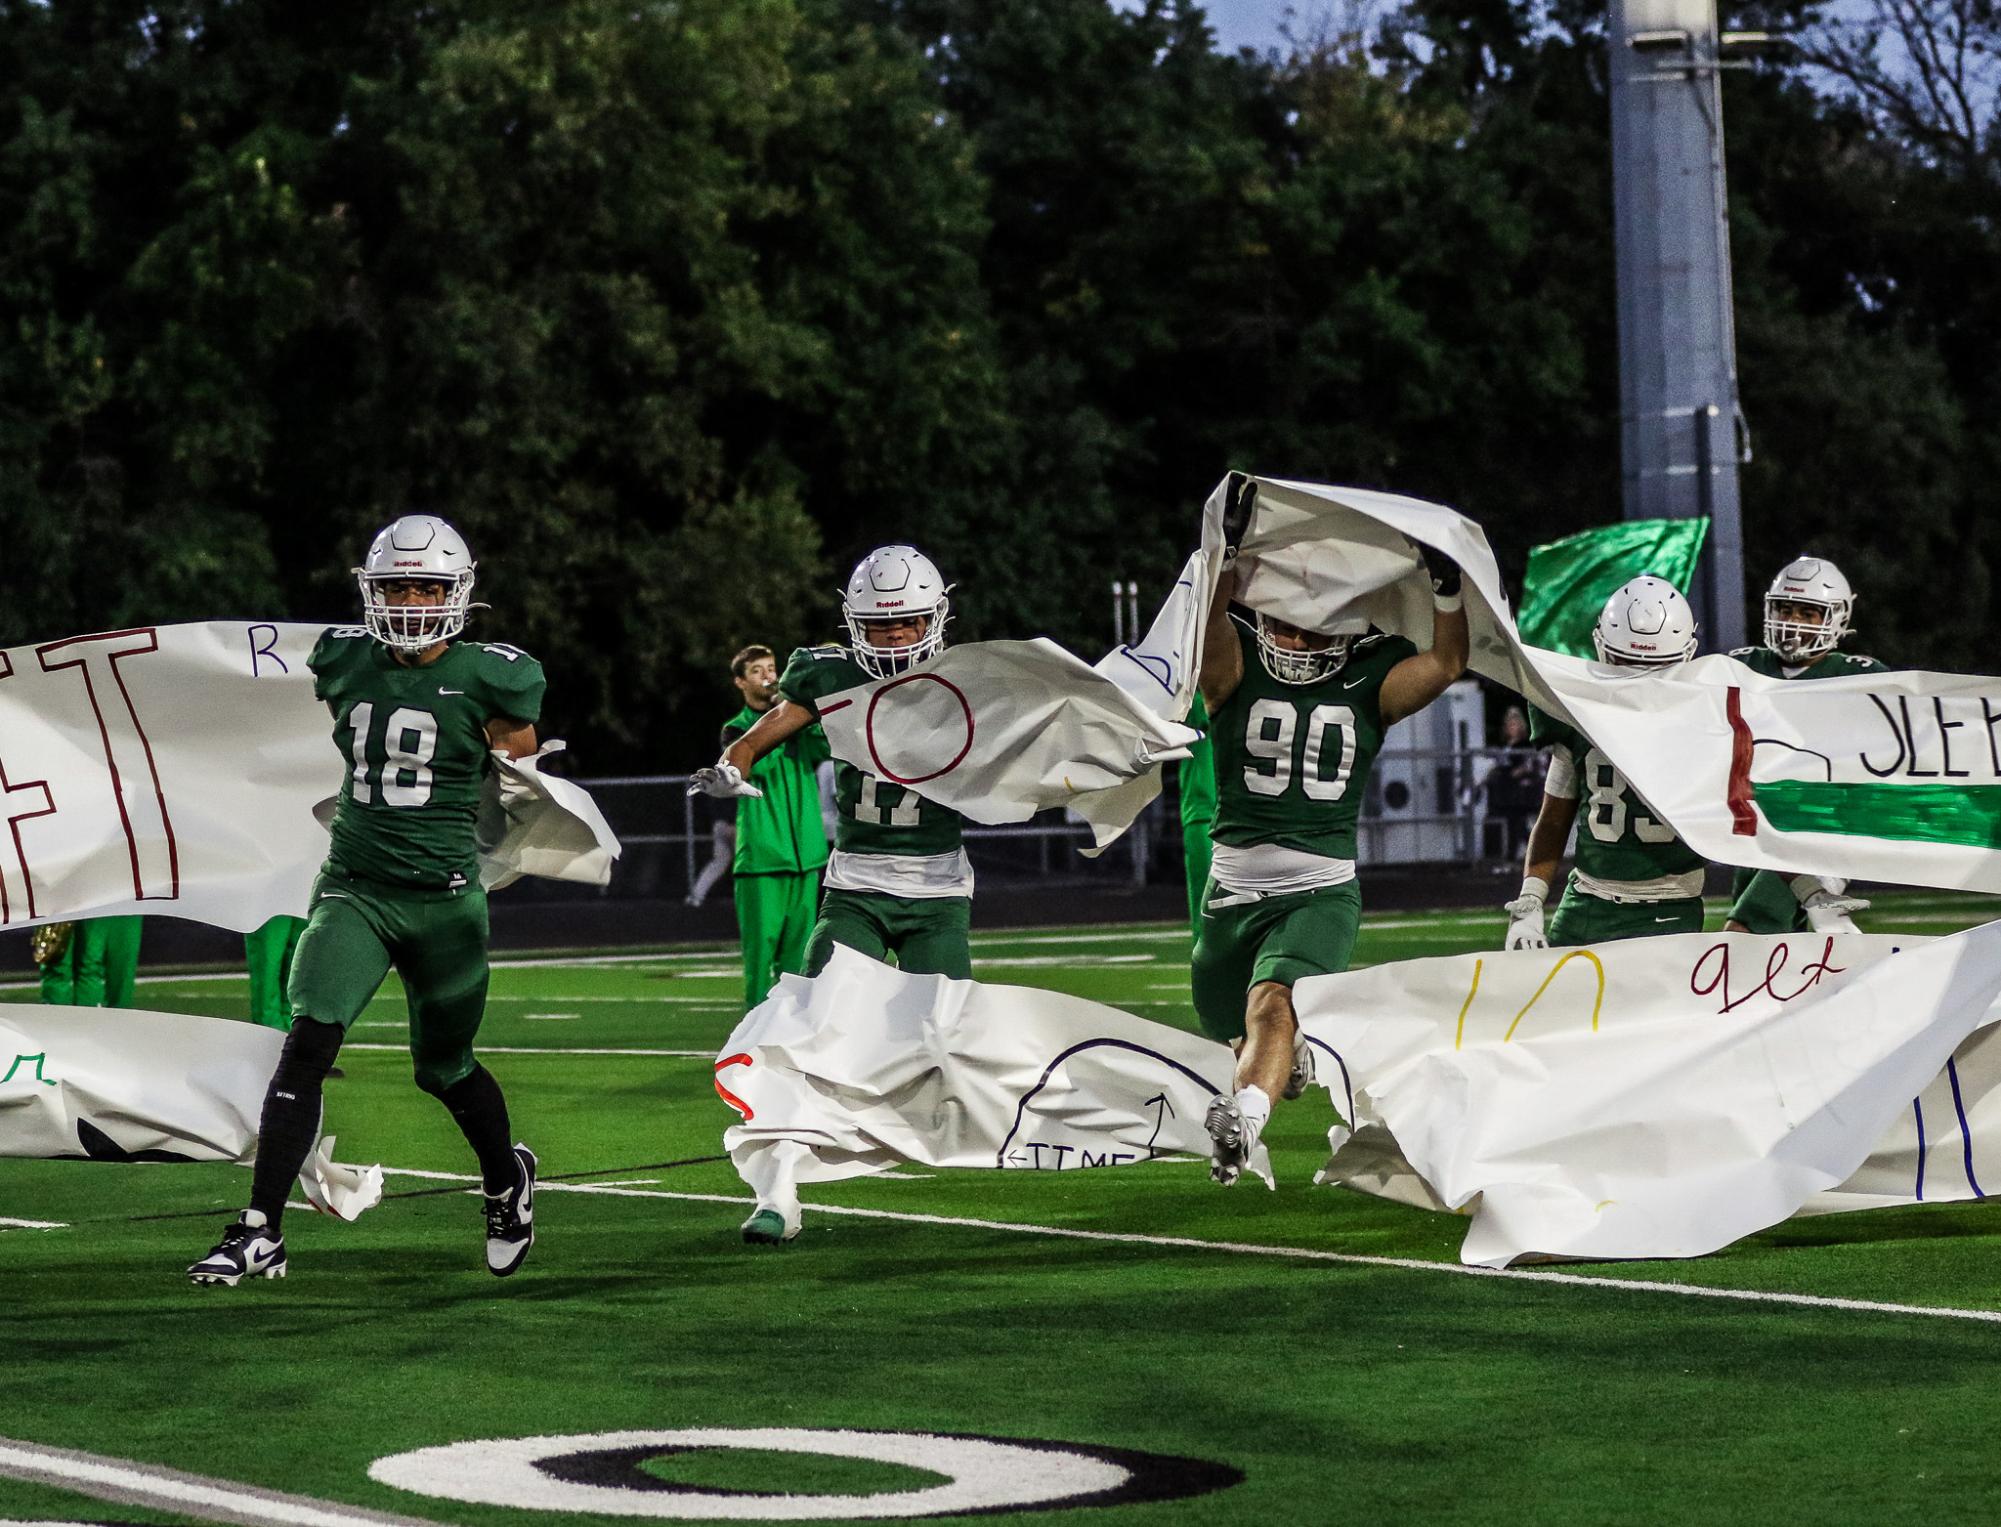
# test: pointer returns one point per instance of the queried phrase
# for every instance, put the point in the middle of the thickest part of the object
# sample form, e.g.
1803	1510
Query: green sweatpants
930	936
1582	919
268	954
1274	938
100	968
774	919
1763	901
436	940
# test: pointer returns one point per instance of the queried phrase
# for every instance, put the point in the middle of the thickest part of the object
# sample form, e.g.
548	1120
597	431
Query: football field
1174	1352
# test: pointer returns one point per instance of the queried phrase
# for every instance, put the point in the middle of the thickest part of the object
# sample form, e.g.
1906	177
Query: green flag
1569	581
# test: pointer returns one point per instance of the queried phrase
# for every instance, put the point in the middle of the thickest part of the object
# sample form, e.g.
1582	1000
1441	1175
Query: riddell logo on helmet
890	604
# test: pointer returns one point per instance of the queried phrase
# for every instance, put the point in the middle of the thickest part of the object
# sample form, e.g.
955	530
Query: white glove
1828	912
1525	916
722	781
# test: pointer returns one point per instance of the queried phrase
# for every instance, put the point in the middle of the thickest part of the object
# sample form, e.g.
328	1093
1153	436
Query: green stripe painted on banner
1967	815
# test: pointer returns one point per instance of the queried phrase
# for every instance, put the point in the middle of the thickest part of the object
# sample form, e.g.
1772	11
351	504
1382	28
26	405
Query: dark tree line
676	309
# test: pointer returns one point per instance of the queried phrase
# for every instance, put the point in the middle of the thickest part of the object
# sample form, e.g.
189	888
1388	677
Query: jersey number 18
410	740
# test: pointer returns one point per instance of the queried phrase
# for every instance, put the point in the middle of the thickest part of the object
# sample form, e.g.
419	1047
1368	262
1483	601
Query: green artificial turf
1342	1389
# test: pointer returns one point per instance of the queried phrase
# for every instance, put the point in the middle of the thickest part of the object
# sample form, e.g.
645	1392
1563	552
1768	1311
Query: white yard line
181	1494
31	1224
1298	1253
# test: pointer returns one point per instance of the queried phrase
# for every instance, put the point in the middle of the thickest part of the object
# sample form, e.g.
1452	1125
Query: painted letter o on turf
598	1472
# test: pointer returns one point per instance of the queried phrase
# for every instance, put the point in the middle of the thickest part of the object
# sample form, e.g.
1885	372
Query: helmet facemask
1803	641
415	627
886	661
1290	665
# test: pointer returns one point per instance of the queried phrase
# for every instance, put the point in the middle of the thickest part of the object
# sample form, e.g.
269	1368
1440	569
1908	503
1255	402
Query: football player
1632	876
1296	718
417	715
898	883
1808	610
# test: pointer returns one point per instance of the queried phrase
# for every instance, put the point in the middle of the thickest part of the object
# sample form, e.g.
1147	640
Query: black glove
1443	570
1240	501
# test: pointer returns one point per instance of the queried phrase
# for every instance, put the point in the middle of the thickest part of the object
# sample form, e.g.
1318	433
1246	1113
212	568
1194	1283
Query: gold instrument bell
50	942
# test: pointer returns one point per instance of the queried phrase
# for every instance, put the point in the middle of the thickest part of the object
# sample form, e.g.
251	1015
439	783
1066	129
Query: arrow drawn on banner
1160	1116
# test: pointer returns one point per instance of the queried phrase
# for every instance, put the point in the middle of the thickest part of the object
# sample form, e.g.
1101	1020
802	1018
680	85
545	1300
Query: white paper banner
1651	1098
1879	776
865	1067
176	769
122	1085
1002	730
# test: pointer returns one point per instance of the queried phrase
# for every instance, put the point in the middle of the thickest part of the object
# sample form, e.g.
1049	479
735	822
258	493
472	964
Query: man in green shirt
898	884
1807	613
781	843
418	715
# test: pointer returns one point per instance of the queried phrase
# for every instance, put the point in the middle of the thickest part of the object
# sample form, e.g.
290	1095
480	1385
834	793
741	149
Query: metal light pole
1680	424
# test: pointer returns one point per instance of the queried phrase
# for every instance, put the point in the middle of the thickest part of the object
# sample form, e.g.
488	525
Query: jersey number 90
1270	734
409	743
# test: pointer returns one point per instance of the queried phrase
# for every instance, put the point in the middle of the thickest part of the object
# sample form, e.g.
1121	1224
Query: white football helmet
1808	581
894	583
418	546
1645	624
1308	665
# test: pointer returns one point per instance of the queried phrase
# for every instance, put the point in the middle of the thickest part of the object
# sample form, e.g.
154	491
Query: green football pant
435	940
930	935
1582	919
1763	901
774	919
1195	852
100	968
268	954
1274	938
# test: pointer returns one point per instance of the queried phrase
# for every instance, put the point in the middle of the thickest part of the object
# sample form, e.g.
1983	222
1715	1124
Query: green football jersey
1832	665
876	817
414	741
1617	836
1292	759
780	832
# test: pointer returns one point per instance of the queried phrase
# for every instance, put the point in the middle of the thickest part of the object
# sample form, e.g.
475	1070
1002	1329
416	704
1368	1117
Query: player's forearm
783	720
1451	644
1222	659
1547	837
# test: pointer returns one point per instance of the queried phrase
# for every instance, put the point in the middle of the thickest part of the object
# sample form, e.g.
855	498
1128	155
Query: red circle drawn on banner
868	729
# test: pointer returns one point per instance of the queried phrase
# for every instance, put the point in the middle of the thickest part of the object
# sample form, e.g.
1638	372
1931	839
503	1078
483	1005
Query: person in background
268	953
1197	782
781	841
96	966
1513	784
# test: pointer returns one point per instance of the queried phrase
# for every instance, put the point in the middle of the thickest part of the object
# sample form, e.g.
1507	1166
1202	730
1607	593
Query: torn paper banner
865	1068
115	1084
1650	1098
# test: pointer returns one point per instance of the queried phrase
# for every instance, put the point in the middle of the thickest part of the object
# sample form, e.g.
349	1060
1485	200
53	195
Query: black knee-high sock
291	1118
481	1111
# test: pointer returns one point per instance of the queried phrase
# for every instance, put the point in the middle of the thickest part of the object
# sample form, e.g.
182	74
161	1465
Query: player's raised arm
1222	657
1424	676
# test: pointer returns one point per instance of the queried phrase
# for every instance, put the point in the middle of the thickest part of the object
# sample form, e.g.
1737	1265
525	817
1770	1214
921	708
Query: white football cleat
510	1219
1302	1075
245	1251
1229	1140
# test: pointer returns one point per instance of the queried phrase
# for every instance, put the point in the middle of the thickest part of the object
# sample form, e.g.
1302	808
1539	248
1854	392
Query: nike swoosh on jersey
1353	682
444	691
